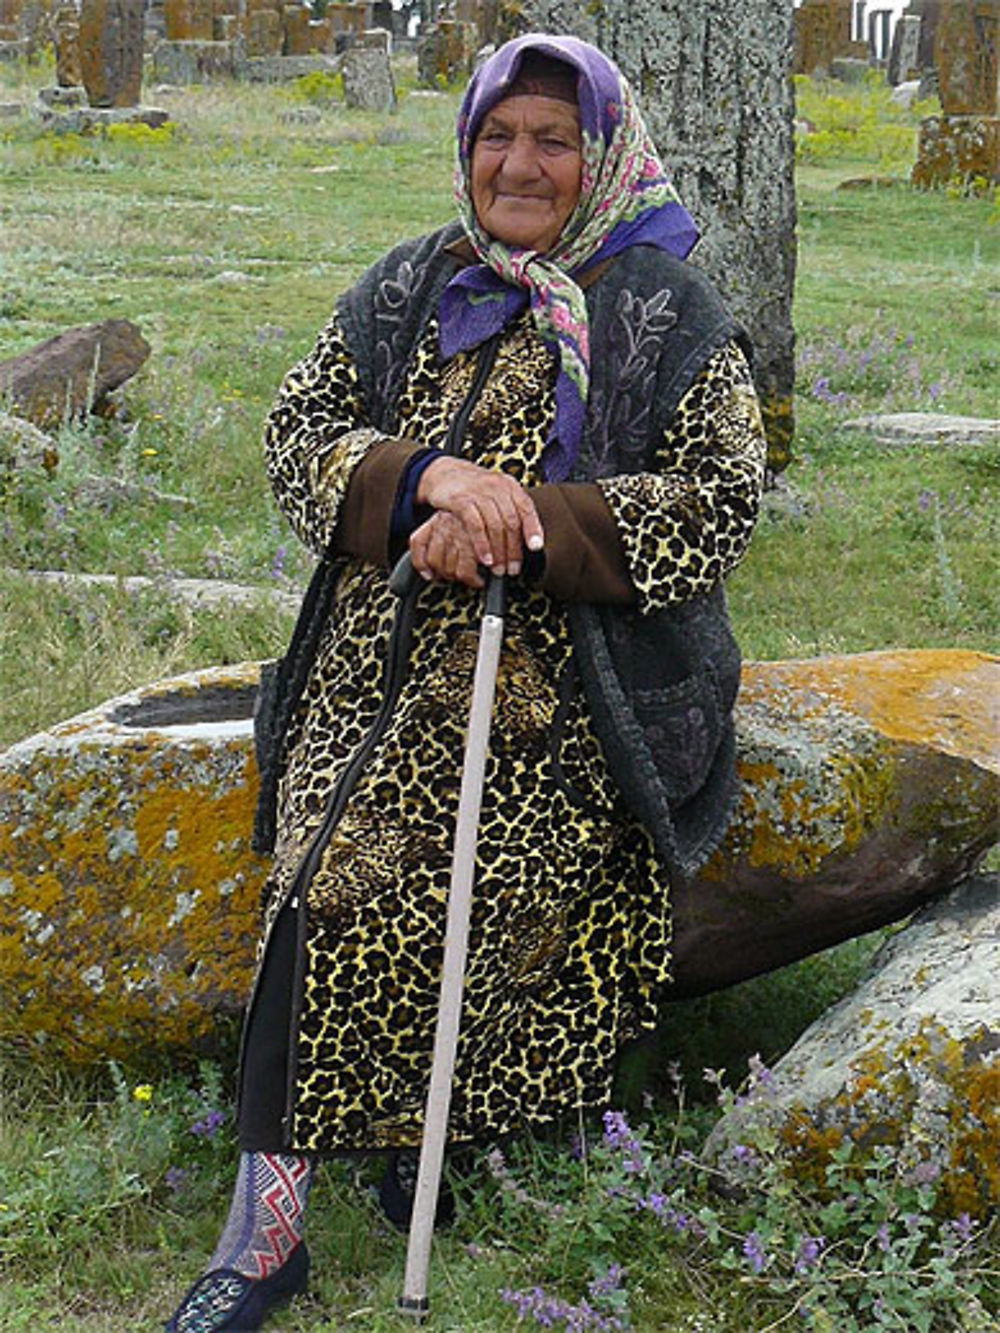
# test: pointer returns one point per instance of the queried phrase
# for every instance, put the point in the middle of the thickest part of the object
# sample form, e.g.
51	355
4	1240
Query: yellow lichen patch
933	1097
128	913
948	699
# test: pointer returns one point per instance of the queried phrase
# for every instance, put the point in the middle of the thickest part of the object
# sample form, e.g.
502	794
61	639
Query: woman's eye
552	144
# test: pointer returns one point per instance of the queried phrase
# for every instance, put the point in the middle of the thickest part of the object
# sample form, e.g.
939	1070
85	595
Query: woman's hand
442	550
495	513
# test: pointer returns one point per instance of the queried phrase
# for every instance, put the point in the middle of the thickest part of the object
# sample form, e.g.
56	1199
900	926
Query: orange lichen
131	906
945	698
881	1104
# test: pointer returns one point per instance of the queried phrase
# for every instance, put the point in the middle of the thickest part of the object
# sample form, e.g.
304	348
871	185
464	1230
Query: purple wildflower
278	563
209	1125
551	1312
759	1072
810	1249
619	1137
753	1251
176	1179
882	1236
608	1283
963	1227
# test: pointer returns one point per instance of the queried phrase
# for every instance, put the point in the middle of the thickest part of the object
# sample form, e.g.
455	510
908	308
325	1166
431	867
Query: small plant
861	1247
867	367
318	87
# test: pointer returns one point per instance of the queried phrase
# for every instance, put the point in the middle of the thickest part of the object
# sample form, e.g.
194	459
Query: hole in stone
218	704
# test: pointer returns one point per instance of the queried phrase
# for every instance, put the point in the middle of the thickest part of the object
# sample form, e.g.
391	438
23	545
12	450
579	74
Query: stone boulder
129	892
72	373
911	1059
24	449
871	784
927	428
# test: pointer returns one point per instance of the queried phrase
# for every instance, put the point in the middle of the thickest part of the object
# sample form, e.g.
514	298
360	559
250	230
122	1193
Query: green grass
227	240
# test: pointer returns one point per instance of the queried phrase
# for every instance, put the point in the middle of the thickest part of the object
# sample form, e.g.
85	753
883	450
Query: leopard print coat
570	939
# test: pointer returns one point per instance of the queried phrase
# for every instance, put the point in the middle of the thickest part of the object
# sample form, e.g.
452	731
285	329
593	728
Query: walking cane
414	1300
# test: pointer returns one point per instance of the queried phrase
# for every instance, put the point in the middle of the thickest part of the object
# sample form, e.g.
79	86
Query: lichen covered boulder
128	889
871	784
129	892
911	1059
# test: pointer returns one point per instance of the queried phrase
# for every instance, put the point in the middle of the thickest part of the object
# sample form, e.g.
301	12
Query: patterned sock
267	1213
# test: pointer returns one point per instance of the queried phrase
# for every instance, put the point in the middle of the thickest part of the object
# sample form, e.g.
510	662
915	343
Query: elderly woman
543	389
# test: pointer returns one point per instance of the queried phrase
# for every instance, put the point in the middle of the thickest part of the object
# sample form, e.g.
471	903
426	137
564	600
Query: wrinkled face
525	172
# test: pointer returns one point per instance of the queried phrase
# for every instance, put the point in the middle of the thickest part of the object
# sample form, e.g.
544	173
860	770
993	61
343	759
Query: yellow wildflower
143	1093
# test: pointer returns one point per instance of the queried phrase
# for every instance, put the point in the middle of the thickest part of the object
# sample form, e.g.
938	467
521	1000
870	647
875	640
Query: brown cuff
584	559
365	517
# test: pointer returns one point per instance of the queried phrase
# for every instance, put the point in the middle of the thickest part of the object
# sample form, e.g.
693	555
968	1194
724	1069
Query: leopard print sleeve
315	436
684	526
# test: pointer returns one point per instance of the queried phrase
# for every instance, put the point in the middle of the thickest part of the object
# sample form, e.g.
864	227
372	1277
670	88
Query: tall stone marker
964	142
714	82
111	50
823	34
904	57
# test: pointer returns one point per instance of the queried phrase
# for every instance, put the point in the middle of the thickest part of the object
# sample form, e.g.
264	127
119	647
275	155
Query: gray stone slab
927	428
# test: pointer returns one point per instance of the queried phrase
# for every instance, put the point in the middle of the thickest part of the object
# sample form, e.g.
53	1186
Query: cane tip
417	1307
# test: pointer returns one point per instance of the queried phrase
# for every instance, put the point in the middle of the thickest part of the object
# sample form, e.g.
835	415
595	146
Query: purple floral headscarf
625	199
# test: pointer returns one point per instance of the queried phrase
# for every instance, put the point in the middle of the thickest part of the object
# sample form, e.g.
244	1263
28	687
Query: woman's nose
522	156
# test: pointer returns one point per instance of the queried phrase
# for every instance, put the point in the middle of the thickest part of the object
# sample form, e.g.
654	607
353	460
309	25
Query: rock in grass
871	784
910	1060
927	428
72	373
24	449
128	890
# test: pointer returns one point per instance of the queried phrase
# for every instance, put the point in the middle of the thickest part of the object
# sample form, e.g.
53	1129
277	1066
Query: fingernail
487	559
515	568
425	574
535	543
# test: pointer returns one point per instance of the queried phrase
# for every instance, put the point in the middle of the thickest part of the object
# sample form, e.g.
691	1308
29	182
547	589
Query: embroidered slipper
224	1301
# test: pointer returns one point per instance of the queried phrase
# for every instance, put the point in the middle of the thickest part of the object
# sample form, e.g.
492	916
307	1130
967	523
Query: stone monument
822	35
368	83
111	49
68	70
963	143
108	44
904	55
713	80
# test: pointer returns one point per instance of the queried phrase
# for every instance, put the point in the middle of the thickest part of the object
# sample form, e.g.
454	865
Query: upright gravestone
111	50
713	79
68	72
904	57
295	20
10	31
963	143
368	81
822	33
264	32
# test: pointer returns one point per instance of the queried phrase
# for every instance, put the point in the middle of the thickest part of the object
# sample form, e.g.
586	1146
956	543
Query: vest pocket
682	724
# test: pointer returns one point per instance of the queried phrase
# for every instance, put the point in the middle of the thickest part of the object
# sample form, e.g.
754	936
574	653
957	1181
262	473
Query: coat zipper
395	673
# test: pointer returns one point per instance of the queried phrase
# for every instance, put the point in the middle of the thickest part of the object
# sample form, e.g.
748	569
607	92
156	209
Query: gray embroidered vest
660	687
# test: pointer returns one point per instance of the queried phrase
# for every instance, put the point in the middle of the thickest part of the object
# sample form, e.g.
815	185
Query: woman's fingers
442	551
496	512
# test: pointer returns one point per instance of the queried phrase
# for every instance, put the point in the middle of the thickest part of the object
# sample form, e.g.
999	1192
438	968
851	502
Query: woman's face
525	175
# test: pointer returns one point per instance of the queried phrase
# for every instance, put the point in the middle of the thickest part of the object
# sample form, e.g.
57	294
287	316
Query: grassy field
227	239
